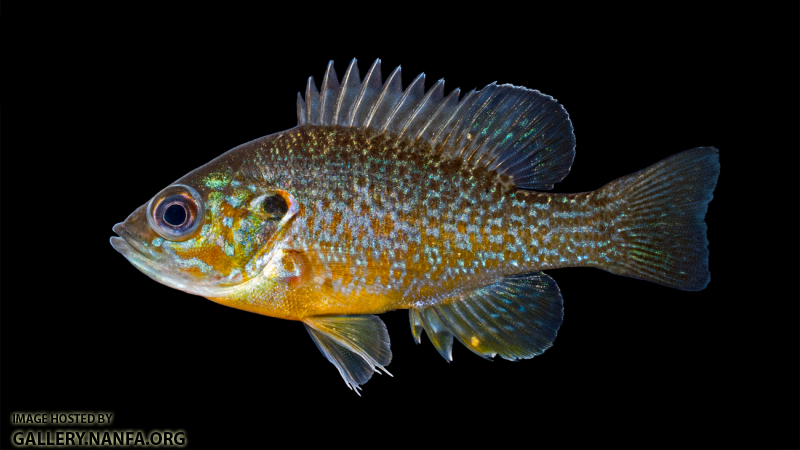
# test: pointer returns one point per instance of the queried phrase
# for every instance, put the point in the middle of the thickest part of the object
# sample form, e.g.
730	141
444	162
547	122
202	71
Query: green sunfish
382	199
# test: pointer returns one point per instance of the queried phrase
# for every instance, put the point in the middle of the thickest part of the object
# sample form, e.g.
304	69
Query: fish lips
134	252
121	244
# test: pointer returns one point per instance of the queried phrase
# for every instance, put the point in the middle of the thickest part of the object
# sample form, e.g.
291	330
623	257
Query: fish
383	199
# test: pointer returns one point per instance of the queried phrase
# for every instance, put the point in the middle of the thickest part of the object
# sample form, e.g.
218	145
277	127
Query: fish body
387	227
382	199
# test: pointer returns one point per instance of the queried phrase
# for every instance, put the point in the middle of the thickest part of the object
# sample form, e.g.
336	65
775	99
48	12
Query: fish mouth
130	247
121	243
127	245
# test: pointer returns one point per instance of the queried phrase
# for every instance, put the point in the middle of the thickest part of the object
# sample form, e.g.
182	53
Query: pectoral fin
357	345
516	318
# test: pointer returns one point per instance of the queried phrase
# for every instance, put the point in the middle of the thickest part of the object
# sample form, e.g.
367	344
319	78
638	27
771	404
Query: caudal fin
660	233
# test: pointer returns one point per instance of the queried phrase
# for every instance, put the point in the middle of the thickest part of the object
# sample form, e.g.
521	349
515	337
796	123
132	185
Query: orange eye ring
176	213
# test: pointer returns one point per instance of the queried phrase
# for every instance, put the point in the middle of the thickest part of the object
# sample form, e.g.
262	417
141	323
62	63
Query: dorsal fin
516	131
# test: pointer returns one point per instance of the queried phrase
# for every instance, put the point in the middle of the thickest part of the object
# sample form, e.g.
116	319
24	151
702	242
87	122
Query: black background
108	106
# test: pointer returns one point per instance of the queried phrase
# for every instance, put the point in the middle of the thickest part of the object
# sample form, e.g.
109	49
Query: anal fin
516	318
357	345
438	333
441	338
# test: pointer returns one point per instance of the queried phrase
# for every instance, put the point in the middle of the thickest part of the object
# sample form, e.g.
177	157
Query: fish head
207	233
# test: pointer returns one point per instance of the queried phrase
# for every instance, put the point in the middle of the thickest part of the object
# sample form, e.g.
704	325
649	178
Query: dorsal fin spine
463	105
437	115
324	93
403	98
330	84
375	69
421	104
301	114
312	98
448	124
382	97
346	81
407	105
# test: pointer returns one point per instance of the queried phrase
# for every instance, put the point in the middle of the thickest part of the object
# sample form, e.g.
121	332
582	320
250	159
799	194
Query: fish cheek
217	258
202	260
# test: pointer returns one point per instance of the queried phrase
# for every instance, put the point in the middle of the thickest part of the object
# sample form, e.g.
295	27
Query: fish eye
176	213
275	206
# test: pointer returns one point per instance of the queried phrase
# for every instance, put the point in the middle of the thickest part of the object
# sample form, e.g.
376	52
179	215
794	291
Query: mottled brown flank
387	223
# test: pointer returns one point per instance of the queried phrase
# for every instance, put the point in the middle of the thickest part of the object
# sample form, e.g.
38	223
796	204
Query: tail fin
660	232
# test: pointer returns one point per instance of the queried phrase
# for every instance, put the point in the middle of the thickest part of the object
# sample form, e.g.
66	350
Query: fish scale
384	199
411	226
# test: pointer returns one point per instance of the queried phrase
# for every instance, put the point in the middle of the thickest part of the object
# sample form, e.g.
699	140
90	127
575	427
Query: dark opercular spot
275	206
175	215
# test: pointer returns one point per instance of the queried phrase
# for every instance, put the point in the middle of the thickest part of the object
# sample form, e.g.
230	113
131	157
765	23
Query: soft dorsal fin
516	131
517	318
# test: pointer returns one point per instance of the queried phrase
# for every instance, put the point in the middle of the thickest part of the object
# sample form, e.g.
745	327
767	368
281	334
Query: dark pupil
175	215
275	206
